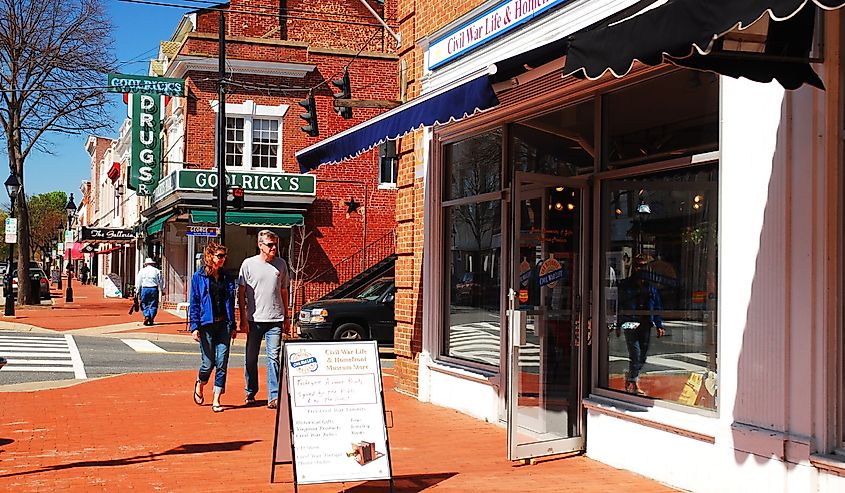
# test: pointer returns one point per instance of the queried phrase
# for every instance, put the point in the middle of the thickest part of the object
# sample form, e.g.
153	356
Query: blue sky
138	29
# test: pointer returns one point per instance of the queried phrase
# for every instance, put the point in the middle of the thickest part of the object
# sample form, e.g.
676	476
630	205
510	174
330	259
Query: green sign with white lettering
146	143
251	182
139	84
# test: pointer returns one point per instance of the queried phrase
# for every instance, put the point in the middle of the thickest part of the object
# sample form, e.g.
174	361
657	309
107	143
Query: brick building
270	66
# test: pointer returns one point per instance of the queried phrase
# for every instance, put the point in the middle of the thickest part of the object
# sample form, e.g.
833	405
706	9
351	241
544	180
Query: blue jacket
201	312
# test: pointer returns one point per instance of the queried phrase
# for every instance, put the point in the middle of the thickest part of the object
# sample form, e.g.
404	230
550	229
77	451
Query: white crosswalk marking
143	346
42	354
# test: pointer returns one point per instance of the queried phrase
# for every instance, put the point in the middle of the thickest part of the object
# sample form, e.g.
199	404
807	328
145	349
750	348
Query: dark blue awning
440	106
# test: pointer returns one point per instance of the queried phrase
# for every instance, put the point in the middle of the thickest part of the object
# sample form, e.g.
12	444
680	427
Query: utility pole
221	127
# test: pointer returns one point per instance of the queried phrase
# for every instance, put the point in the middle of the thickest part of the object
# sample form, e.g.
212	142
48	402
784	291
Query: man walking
149	283
263	285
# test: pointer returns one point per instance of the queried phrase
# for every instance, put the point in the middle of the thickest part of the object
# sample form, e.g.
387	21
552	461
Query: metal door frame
576	443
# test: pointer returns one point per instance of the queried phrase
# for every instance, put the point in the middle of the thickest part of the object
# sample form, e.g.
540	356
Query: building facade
642	263
270	67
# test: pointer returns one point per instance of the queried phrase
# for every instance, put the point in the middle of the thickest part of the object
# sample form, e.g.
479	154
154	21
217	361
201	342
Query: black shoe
147	321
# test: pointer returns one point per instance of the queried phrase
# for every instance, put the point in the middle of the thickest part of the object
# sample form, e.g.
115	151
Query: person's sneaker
249	401
3	361
273	404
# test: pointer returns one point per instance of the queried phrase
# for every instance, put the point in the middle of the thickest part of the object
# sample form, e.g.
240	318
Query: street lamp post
13	186
71	213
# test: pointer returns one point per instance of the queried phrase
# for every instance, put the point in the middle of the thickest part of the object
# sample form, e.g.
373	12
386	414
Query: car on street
368	315
36	275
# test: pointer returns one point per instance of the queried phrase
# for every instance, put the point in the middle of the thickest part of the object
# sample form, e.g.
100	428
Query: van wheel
349	332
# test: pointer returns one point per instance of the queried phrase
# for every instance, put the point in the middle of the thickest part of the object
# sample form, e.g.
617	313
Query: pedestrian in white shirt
149	283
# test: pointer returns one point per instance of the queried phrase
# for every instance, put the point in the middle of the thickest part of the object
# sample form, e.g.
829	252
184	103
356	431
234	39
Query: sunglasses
221	255
270	245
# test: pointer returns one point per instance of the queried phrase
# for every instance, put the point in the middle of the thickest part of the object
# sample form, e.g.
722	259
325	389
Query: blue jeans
215	340
271	332
637	341
149	302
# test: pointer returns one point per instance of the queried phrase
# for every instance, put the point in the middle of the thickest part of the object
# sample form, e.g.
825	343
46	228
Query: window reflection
660	275
474	165
559	143
670	116
473	327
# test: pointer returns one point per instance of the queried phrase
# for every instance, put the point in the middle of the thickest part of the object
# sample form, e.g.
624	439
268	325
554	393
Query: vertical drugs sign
146	109
146	143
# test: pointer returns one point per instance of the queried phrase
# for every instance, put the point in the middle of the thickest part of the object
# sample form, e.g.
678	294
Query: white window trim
248	110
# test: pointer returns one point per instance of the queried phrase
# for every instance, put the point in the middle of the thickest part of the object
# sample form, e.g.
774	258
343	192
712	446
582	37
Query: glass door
546	316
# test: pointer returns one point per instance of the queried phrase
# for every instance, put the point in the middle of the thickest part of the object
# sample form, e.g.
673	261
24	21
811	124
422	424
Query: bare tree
54	58
299	250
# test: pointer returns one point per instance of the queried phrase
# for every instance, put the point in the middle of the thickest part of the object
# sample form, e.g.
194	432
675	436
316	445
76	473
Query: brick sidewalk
143	432
89	309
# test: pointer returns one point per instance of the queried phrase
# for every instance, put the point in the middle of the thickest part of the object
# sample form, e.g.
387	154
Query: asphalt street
64	357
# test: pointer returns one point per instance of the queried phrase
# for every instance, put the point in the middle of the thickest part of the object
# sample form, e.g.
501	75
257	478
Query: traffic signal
345	93
238	198
310	116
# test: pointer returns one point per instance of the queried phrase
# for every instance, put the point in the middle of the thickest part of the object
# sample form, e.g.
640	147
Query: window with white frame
253	135
265	143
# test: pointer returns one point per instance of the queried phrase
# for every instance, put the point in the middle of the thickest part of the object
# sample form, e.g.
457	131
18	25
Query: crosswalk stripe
42	354
143	346
57	369
76	358
25	354
31	338
13	361
56	349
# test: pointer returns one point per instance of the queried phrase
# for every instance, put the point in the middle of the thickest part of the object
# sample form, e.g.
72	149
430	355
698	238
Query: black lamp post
71	214
13	186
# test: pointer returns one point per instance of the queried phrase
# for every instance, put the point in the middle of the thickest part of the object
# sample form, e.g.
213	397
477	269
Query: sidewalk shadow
410	483
188	448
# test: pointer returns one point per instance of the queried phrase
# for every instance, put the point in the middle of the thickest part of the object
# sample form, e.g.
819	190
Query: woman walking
212	315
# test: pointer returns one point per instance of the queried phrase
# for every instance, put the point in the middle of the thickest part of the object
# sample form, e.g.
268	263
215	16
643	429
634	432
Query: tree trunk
24	244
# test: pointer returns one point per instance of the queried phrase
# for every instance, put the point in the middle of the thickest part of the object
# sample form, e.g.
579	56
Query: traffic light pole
221	128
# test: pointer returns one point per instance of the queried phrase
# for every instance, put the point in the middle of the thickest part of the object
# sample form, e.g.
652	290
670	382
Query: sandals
199	399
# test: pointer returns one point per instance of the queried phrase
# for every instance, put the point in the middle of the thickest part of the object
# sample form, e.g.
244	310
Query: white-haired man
263	286
149	283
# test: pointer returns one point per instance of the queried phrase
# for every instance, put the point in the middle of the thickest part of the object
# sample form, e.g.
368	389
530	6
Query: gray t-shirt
264	282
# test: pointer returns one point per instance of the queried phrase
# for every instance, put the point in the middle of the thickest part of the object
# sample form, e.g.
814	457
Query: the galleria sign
107	234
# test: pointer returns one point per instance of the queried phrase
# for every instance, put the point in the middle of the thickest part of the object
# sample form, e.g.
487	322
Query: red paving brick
143	432
89	309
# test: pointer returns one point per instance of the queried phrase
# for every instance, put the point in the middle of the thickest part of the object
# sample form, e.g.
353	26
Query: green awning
156	226
256	219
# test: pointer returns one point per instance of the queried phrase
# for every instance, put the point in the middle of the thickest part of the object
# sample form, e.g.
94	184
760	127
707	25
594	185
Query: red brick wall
331	47
418	19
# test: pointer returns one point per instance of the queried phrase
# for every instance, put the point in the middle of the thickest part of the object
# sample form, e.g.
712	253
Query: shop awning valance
157	225
450	103
255	219
685	33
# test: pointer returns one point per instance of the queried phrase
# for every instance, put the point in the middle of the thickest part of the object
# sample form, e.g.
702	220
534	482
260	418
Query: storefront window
473	258
560	143
662	118
659	288
475	271
474	166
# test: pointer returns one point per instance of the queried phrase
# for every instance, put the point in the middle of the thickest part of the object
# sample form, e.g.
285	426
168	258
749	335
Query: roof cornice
183	64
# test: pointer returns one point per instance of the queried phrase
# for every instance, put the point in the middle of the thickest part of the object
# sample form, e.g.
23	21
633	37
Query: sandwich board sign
335	413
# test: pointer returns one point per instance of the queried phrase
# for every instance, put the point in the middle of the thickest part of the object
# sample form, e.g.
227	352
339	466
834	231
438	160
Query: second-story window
265	143
252	142
234	141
